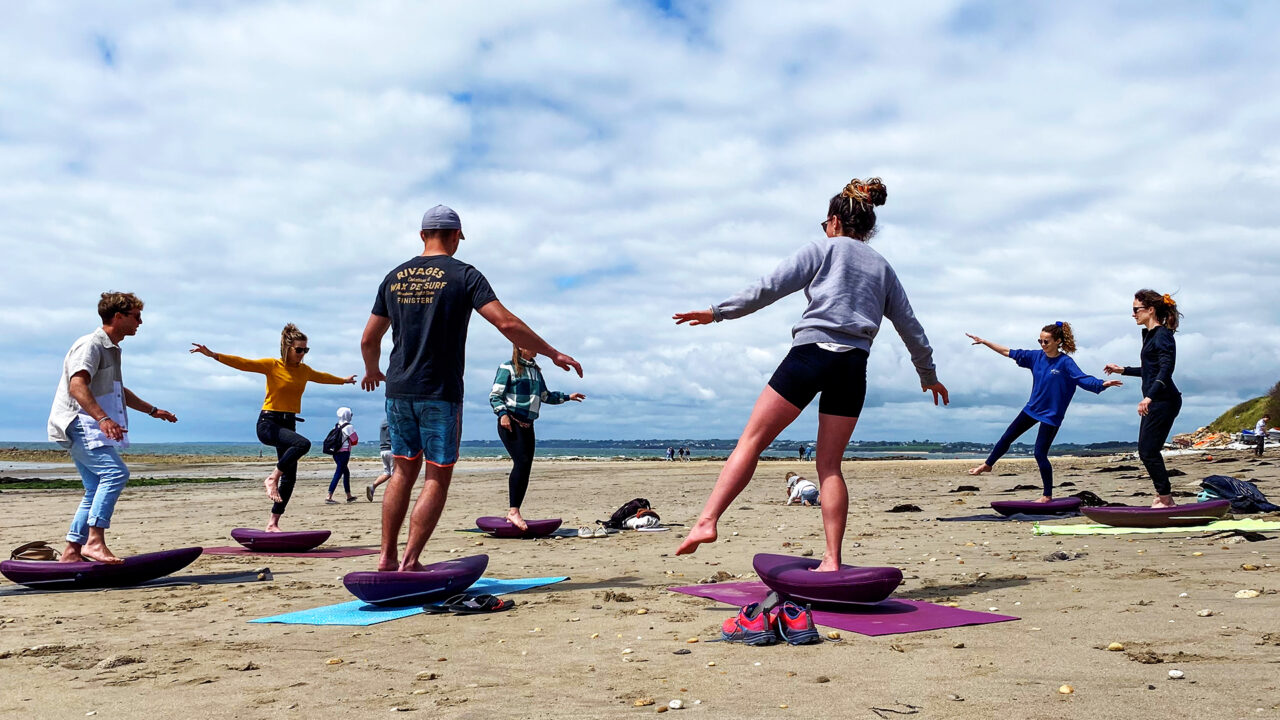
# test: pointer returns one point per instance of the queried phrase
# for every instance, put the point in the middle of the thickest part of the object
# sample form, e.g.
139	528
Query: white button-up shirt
97	355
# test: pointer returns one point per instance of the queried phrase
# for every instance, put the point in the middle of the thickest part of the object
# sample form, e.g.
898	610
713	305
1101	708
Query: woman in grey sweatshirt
850	288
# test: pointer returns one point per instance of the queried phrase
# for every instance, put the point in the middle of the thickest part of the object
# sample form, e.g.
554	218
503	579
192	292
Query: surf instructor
427	303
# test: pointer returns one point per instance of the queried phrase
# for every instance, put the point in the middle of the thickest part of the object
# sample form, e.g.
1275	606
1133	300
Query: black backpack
333	440
624	513
1245	497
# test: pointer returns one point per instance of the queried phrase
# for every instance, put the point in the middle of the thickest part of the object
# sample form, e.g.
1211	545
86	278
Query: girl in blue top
1054	379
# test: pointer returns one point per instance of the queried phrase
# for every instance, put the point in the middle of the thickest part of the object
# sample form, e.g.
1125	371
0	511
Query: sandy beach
188	651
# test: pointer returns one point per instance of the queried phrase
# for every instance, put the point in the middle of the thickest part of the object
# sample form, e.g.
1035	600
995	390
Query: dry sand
188	652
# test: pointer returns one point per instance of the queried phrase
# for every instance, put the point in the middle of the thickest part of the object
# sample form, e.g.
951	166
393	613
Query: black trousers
519	442
1044	440
1153	432
277	430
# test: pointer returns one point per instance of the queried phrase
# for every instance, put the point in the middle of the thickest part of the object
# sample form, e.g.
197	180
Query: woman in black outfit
1161	401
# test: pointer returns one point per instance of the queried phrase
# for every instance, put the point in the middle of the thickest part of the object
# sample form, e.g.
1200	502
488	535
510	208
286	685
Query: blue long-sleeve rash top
1053	383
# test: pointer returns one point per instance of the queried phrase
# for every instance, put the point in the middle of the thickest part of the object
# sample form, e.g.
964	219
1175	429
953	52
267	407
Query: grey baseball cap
442	217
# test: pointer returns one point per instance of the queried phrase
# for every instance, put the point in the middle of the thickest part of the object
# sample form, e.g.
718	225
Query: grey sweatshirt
850	287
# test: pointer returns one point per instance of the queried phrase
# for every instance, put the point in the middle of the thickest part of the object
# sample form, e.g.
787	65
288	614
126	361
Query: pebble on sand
676	704
1247	593
643	702
1066	690
1176	674
692	640
1249	567
1204	613
834	635
1115	647
333	661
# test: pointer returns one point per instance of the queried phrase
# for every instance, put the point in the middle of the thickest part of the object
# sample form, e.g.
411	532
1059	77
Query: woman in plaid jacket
518	394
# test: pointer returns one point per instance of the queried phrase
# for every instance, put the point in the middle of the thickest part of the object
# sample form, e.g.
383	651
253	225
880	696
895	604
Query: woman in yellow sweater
286	379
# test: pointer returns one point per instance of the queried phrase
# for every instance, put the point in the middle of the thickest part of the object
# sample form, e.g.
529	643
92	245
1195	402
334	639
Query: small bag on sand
38	550
630	510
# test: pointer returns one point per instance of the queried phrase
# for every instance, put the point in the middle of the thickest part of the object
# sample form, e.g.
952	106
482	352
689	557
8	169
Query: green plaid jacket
522	395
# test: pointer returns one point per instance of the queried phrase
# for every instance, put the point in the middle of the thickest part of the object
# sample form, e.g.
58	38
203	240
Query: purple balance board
793	577
434	582
884	618
1060	506
1144	517
134	570
293	542
502	527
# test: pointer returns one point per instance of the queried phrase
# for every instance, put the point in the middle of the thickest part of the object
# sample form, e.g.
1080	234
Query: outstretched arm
232	361
1087	381
515	330
998	348
371	350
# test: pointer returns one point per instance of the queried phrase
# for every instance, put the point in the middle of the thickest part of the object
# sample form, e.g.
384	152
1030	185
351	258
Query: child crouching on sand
800	490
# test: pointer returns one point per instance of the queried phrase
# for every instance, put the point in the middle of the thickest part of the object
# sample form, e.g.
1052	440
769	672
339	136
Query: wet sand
187	651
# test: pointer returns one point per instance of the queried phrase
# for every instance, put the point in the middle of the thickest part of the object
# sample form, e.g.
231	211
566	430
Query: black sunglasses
1045	342
302	351
1136	308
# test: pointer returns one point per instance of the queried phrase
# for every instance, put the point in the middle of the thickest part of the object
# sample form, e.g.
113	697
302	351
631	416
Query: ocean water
549	450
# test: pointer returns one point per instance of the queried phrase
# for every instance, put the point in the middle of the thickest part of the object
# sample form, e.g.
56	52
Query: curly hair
1061	331
117	302
855	207
1166	308
288	336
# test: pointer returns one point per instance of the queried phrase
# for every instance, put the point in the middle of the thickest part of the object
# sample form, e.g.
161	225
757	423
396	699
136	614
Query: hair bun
871	191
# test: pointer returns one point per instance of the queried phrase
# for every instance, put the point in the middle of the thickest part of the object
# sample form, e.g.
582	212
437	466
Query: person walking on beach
517	396
384	451
277	423
427	302
89	419
1054	379
850	288
342	458
1261	431
1161	400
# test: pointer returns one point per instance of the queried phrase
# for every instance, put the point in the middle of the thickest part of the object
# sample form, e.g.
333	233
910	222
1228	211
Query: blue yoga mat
360	613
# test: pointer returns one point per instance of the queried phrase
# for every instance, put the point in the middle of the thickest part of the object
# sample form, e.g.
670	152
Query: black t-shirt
429	301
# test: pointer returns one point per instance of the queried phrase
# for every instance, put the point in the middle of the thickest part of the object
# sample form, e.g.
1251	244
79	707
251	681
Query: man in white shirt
90	420
1261	431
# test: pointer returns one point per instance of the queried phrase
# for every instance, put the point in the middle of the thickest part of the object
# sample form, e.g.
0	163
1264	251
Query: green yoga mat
1246	524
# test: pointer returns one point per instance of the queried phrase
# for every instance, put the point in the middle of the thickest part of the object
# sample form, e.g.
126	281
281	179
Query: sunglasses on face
1045	342
1138	308
302	351
824	224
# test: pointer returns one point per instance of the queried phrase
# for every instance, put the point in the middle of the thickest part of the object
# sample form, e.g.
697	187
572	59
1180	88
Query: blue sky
241	165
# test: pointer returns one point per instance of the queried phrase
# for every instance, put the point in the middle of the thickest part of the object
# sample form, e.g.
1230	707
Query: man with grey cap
427	304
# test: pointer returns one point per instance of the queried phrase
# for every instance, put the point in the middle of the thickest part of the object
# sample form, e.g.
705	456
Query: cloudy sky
241	165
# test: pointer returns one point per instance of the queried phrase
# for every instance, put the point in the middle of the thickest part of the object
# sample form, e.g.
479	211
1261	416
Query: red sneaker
753	625
795	624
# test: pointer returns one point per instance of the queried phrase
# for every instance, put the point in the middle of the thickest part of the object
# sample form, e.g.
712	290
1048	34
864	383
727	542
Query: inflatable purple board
263	541
502	527
1145	517
793	577
434	582
1053	507
134	570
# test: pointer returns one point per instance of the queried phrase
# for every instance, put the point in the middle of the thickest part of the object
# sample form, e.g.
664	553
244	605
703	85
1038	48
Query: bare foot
1044	499
99	553
71	554
272	527
414	566
980	469
828	564
272	484
704	531
1163	501
513	517
388	563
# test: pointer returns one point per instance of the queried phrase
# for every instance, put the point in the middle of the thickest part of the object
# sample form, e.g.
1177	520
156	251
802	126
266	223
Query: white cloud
243	165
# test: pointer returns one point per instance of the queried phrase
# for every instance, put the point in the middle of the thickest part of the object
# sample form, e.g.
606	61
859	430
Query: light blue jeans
104	475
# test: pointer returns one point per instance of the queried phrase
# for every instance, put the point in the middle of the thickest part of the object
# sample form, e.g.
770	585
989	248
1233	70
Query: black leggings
1044	439
1152	434
276	429
519	444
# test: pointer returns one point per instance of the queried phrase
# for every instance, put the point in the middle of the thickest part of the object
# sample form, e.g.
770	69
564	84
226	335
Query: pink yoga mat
341	552
888	617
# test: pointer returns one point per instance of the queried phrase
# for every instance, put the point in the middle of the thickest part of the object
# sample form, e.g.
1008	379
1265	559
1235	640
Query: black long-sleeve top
1159	355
